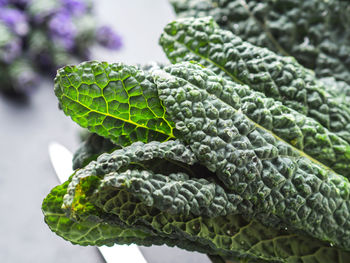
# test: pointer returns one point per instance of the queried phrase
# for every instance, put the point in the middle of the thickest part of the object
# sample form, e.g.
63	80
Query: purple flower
75	7
108	38
15	20
63	30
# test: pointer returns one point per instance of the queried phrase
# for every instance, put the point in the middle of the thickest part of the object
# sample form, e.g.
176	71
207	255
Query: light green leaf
115	101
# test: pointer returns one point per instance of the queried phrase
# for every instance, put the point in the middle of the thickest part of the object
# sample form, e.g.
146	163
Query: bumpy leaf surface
114	101
319	40
281	78
266	177
289	125
277	183
301	131
253	171
92	228
144	207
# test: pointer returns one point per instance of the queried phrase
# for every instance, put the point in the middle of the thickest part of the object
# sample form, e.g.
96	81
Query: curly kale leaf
278	183
334	86
281	78
115	101
215	121
319	40
300	131
92	228
113	199
233	133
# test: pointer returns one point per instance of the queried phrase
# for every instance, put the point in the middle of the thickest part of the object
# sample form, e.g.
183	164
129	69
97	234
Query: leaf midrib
256	124
171	135
267	32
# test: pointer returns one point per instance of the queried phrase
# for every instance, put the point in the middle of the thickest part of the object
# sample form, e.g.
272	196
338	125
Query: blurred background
28	125
39	36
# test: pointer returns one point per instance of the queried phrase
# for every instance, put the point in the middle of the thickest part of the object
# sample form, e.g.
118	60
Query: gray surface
140	22
26	175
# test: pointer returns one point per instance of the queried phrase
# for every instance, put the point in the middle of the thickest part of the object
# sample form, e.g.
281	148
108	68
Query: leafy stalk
268	178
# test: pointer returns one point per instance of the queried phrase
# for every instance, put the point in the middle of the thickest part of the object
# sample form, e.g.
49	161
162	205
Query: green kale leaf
113	199
115	101
318	39
233	151
281	78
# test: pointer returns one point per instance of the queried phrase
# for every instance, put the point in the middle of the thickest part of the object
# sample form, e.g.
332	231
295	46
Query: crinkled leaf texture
234	184
111	201
319	40
278	183
281	78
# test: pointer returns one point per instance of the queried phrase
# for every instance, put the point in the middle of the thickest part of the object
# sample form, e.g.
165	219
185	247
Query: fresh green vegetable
280	78
303	132
214	157
114	101
239	167
109	201
318	39
295	128
274	179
